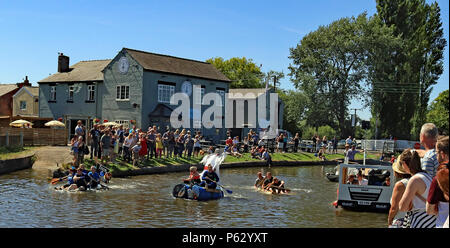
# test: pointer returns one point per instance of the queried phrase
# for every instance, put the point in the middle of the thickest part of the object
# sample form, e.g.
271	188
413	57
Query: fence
10	140
389	146
33	136
378	145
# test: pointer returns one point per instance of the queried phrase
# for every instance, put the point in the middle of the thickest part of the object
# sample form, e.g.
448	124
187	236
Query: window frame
165	87
52	93
122	95
71	92
89	91
20	105
124	123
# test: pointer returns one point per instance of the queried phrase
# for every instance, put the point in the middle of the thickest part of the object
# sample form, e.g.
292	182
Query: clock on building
123	65
186	88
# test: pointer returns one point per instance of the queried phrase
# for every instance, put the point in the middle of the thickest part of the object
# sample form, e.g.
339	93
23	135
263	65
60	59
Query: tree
405	85
272	77
295	103
330	65
438	112
243	72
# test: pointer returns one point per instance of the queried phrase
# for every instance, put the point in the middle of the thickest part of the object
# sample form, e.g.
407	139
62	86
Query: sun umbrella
111	123
54	123
20	123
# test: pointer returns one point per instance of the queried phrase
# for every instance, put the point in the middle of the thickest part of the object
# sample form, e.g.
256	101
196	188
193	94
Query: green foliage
308	132
330	66
405	78
243	72
326	131
438	112
294	109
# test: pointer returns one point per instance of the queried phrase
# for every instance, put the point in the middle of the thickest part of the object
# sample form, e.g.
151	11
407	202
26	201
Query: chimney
63	63
24	83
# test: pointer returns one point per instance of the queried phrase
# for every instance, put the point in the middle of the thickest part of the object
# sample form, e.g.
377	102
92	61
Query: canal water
28	200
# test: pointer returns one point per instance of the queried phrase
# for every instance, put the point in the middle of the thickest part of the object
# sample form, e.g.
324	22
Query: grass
123	166
14	152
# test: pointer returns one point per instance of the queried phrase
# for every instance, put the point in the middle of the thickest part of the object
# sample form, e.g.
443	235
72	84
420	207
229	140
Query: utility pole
274	82
354	130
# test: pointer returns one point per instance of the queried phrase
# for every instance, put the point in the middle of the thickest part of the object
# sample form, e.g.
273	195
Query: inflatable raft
196	192
332	177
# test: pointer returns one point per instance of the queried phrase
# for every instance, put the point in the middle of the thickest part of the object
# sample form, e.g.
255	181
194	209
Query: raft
196	192
332	177
268	192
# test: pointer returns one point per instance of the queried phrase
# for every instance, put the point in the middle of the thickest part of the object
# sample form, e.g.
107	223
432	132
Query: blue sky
33	32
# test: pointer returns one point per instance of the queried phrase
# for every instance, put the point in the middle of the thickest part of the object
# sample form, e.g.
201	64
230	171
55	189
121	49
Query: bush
309	131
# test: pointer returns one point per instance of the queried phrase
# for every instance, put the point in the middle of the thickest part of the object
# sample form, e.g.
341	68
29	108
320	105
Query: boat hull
196	192
332	177
372	207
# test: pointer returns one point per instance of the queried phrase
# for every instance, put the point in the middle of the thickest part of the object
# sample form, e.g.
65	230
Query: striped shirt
430	162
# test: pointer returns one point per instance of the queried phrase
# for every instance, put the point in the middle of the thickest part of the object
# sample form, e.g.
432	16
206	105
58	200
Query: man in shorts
105	144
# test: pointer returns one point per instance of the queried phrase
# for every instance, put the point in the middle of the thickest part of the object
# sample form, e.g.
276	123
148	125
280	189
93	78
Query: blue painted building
133	86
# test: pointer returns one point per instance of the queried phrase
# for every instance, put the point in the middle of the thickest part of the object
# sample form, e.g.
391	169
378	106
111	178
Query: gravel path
48	157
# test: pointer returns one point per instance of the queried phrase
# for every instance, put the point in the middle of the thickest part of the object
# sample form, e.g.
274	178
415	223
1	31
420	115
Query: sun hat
397	166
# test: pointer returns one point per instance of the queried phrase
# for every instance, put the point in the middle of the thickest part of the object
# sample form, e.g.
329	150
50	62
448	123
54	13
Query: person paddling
277	186
259	180
194	177
267	180
209	178
95	178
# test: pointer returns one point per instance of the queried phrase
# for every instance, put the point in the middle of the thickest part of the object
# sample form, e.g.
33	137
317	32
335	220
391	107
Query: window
52	93
200	92
221	93
91	92
123	92
165	92
23	105
71	90
126	124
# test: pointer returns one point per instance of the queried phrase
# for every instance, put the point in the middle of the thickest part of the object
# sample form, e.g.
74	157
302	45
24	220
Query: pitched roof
33	91
80	72
161	110
6	88
175	65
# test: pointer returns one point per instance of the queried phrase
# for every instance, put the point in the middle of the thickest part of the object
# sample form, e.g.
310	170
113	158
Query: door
73	124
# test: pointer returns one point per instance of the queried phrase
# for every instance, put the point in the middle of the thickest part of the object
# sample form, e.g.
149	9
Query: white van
371	197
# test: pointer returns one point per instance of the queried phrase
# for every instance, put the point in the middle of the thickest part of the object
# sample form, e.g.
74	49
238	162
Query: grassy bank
15	152
122	166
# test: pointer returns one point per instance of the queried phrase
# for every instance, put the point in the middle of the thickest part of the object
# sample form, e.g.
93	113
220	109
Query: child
159	146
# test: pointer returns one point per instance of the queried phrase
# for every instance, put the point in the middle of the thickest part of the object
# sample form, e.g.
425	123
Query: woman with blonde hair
414	199
396	217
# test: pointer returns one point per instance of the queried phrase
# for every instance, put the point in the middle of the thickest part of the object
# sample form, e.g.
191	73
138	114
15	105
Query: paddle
227	190
56	180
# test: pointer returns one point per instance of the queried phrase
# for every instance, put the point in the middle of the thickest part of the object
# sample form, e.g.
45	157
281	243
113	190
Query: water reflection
28	200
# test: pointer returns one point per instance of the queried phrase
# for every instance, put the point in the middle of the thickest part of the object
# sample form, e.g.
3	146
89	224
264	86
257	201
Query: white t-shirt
363	182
